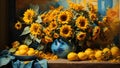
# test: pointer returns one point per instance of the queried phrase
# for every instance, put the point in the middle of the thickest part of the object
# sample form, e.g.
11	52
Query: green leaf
38	40
40	47
39	20
25	31
31	36
28	41
12	50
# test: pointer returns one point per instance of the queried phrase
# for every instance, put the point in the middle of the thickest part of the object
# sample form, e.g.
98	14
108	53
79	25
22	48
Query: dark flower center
82	23
18	25
65	31
63	17
81	36
29	16
35	29
53	25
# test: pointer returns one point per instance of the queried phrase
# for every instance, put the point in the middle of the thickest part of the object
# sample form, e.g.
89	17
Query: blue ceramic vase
61	47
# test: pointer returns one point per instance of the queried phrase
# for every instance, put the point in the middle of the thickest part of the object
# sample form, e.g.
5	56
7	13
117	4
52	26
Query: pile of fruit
111	54
24	50
48	56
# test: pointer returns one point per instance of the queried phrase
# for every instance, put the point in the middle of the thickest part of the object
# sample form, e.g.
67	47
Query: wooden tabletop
64	63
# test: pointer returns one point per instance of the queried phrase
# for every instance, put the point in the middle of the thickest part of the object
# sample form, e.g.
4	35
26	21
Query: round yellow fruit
17	53
22	52
36	52
31	52
115	51
31	49
89	52
107	51
99	55
82	56
23	47
72	56
91	56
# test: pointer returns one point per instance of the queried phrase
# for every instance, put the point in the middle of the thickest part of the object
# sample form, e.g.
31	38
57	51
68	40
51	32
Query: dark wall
4	24
7	18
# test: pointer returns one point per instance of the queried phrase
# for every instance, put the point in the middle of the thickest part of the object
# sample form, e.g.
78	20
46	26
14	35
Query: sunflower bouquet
79	24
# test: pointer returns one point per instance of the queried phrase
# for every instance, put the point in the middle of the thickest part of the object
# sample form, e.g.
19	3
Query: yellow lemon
82	56
31	52
36	52
72	56
91	56
22	52
23	47
31	49
99	55
89	52
115	51
55	57
107	51
17	53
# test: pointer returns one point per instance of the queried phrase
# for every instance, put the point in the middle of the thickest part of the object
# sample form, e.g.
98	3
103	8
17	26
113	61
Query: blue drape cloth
31	64
5	57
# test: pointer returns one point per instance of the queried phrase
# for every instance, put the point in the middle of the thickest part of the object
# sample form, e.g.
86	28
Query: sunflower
35	29
53	15
96	32
92	16
47	31
93	8
42	16
53	25
81	36
75	6
43	40
18	25
47	17
15	44
48	39
70	13
56	35
66	31
28	16
113	13
64	17
106	19
82	22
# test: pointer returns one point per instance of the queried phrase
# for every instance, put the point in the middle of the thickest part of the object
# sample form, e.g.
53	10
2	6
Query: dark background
8	17
4	23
